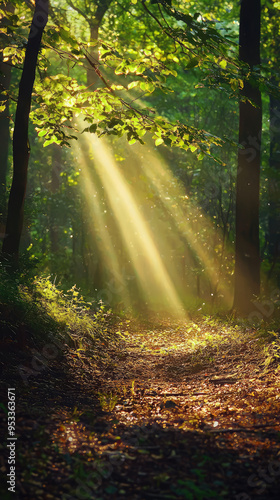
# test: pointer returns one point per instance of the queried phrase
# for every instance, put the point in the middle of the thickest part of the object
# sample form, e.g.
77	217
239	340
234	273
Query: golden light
189	220
99	226
151	272
149	234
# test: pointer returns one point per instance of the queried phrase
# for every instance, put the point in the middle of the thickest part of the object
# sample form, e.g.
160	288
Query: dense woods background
190	81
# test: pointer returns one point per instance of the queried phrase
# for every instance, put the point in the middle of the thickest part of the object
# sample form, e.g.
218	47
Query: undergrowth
212	337
38	310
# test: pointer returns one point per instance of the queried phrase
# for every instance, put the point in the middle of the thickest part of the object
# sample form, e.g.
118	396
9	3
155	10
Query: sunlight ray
189	220
106	247
151	272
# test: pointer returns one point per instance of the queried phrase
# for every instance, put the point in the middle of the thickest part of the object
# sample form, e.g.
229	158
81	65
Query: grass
37	309
208	338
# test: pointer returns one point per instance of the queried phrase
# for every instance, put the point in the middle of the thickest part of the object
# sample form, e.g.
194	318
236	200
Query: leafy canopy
161	41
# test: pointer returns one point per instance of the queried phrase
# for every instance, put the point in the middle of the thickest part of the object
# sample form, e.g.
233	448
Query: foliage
44	312
59	97
180	82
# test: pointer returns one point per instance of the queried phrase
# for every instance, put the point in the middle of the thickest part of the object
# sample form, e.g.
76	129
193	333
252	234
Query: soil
143	418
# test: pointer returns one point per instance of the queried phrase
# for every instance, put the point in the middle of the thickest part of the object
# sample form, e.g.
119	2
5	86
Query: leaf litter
177	411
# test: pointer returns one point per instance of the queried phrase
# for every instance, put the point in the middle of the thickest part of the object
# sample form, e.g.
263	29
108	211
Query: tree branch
101	10
74	7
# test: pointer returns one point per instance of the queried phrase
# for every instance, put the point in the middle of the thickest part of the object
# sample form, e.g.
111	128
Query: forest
140	249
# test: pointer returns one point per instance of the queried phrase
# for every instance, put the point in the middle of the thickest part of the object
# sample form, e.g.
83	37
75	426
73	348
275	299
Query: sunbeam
151	272
189	220
149	235
101	236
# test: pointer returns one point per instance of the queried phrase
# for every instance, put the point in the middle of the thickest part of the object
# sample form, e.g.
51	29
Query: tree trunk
273	236
20	138
94	21
247	253
5	79
273	231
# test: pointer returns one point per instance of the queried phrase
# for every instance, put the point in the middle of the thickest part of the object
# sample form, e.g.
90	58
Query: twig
223	380
174	38
243	429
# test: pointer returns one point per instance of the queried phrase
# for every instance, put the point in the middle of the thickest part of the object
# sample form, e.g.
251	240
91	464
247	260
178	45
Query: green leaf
143	86
223	64
42	133
4	408
117	87
131	85
159	141
47	143
111	489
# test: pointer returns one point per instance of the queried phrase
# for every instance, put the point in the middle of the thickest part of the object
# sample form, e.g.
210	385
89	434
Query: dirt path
155	418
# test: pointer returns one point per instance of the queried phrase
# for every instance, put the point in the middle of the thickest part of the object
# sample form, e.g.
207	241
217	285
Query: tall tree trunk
92	271
94	18
247	253
273	230
273	236
20	138
5	79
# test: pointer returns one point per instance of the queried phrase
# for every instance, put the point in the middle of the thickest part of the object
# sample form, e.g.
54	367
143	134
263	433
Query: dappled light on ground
178	411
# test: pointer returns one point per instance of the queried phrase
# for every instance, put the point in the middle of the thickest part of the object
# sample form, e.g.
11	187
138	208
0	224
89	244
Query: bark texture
247	251
20	137
5	79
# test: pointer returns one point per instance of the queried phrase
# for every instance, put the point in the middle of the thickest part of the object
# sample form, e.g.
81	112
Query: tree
93	13
5	79
247	254
274	187
273	229
20	137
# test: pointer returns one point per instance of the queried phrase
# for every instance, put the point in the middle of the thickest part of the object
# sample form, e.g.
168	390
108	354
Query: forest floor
154	416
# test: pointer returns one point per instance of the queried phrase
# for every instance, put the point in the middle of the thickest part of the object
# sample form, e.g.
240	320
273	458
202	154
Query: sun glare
151	273
189	220
148	234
